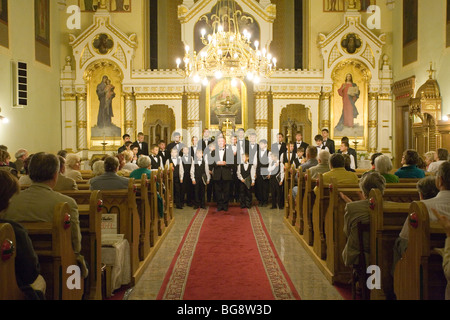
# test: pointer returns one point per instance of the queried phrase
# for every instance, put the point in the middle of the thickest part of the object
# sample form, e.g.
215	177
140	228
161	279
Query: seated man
445	222
323	166
37	203
342	176
441	156
359	211
311	158
440	202
64	183
110	180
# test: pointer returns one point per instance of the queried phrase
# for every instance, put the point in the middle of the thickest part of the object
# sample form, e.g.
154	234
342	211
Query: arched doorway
294	118
159	123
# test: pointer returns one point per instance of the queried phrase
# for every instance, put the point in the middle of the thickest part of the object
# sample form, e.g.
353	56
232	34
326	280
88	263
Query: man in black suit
163	152
206	139
290	155
280	147
194	147
252	148
262	185
242	145
350	151
299	143
126	137
222	173
327	141
176	143
143	146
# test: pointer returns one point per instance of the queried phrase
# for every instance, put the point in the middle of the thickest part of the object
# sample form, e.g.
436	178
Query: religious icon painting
4	32
42	30
341	5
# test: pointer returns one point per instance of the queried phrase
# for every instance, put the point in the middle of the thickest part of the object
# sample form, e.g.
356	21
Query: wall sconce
3	119
446	117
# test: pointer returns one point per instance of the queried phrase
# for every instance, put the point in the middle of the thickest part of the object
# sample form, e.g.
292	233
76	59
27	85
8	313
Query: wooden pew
91	242
162	223
287	188
123	203
143	205
319	211
419	275
168	196
52	243
307	211
297	219
9	290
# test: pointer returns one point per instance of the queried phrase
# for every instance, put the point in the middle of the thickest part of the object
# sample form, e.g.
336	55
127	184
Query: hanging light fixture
228	53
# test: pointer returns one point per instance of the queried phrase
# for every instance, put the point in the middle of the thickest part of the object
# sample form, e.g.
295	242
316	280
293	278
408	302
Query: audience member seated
383	165
20	156
323	166
64	183
4	163
359	211
440	202
429	158
410	160
62	153
73	165
345	150
24	179
311	158
129	165
342	176
98	168
421	164
37	203
27	264
122	172
372	161
109	180
144	164
445	222
348	162
440	157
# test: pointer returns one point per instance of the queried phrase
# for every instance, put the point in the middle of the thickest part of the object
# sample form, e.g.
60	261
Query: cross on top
431	71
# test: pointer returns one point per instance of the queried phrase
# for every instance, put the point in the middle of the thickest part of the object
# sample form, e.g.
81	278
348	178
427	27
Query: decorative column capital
373	96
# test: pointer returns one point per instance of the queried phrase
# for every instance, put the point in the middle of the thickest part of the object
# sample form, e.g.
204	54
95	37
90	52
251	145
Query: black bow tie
222	149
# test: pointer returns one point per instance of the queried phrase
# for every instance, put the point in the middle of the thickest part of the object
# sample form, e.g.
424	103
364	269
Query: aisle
306	277
227	256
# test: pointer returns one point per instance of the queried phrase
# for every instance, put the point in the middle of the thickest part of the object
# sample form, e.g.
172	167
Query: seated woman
27	264
98	168
122	172
73	166
144	164
25	180
429	158
129	165
383	165
410	161
359	211
5	158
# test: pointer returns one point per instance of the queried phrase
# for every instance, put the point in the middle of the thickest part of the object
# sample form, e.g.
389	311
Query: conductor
222	173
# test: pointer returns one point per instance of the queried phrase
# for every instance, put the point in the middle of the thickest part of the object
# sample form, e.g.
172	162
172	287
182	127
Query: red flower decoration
7	250
67	221
331	187
413	221
99	205
372	203
306	177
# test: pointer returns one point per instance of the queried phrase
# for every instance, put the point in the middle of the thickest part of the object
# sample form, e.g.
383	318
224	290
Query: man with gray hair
359	211
110	180
20	156
440	157
37	203
323	166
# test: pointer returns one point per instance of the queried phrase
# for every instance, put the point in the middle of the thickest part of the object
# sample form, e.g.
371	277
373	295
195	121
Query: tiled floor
307	278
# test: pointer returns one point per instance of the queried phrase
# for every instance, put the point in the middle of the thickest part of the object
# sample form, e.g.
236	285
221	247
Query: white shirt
180	168
319	148
276	167
352	160
441	203
252	172
221	154
199	162
434	166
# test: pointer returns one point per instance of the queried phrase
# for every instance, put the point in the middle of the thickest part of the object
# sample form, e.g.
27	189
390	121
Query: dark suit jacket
122	149
223	172
303	145
204	144
331	146
164	156
144	150
172	145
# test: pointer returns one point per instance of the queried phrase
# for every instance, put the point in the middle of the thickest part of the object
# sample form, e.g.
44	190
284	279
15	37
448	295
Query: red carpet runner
227	256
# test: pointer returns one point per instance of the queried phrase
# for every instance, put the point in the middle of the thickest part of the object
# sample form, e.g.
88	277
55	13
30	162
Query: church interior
80	77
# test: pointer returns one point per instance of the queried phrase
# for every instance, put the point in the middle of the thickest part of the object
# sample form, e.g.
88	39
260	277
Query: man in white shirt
320	144
253	148
178	176
441	157
344	150
194	146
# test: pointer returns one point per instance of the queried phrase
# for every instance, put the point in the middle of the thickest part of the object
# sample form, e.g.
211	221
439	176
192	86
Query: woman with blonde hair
430	157
73	166
130	166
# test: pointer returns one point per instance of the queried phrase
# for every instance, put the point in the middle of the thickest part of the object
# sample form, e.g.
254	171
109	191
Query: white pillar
373	122
262	115
325	111
193	112
81	122
129	114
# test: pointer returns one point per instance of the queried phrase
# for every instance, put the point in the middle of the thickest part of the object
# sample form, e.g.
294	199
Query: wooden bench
91	241
307	211
288	185
297	217
168	196
52	243
143	205
419	275
9	290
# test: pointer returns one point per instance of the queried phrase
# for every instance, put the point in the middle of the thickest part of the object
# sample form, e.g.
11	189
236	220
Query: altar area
106	97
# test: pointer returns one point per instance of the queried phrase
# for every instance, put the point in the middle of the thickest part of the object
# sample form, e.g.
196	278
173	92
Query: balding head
324	157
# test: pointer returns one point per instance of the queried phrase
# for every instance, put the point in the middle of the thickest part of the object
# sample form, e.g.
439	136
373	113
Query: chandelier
228	53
